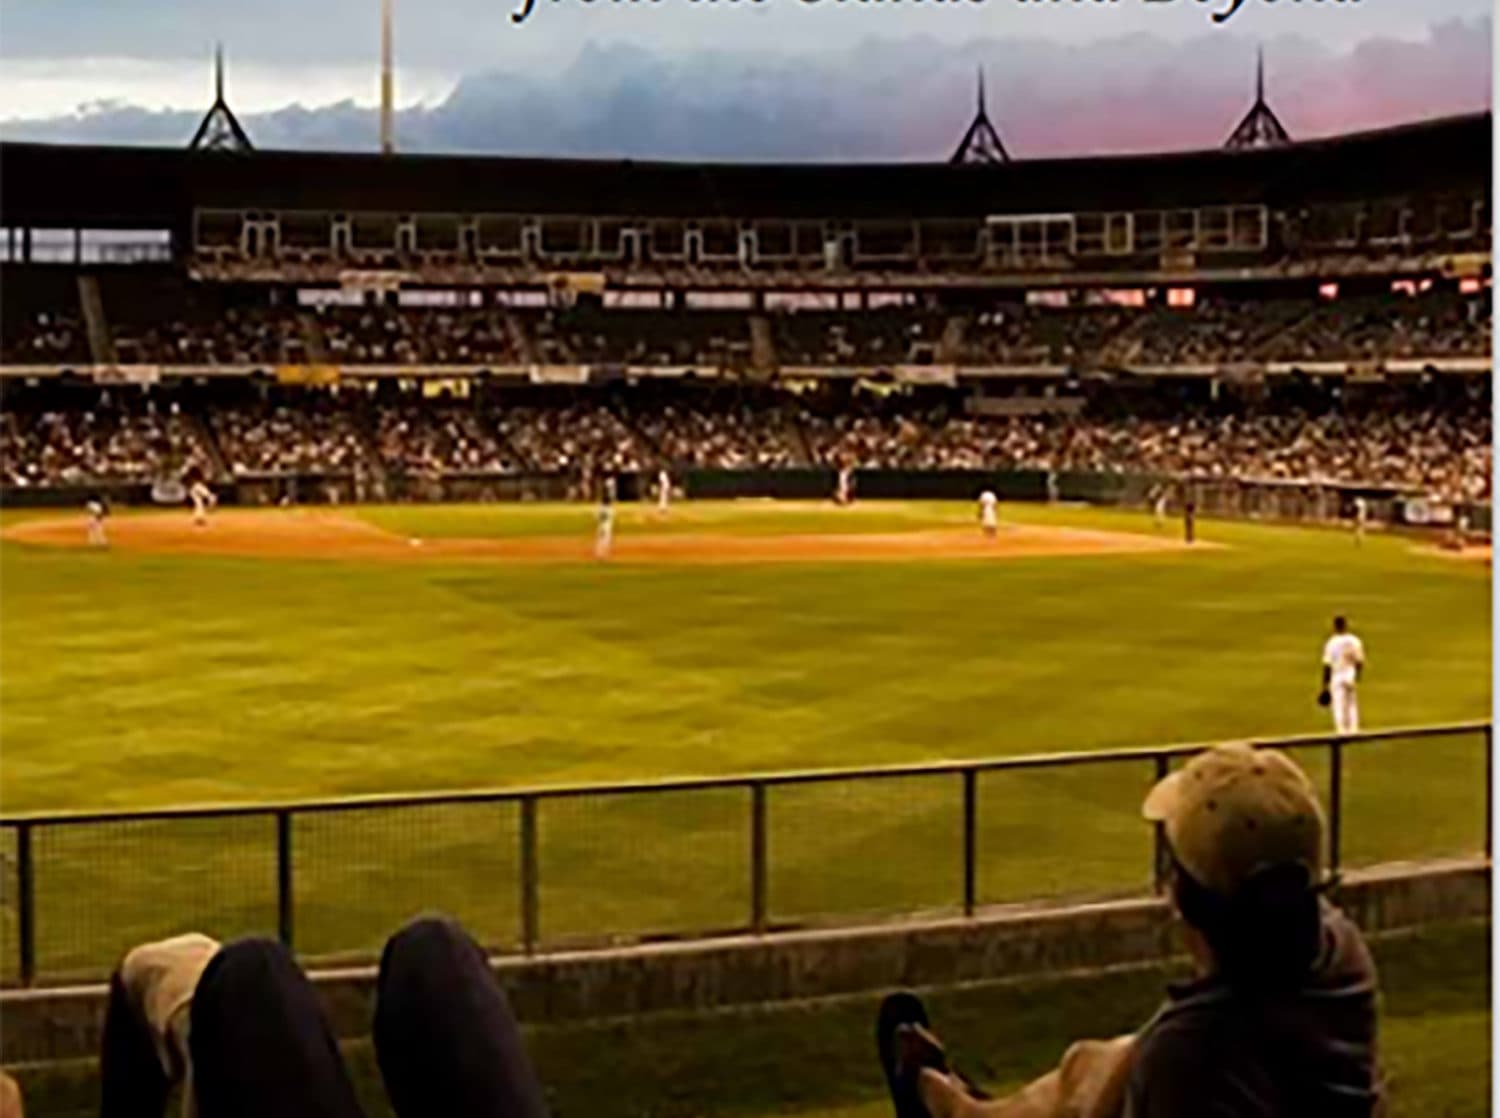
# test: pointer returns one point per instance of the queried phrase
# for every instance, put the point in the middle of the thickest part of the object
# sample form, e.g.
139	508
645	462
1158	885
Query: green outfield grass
135	680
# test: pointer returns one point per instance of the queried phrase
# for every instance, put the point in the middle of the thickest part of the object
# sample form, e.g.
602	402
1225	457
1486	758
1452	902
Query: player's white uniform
1053	494
1343	656
1159	508
845	490
203	499
663	490
97	538
1361	513
604	537
989	512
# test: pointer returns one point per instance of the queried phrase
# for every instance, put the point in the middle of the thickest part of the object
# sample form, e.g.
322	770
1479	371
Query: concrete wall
53	1024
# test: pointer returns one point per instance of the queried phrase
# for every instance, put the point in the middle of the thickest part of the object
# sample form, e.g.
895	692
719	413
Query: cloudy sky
738	79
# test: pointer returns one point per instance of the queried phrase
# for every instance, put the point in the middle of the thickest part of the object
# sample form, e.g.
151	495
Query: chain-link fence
574	868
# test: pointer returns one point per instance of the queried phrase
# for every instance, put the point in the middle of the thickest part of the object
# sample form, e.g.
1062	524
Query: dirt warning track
320	534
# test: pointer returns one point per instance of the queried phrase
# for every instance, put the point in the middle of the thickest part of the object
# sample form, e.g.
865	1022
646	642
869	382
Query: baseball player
203	500
989	512
1189	517
663	491
844	493
1159	506
1343	665
98	512
1361	514
604	537
1053	493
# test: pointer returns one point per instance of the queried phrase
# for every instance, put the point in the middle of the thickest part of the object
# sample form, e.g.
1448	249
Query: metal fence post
1489	791
758	868
284	902
26	904
971	839
530	921
1162	767
1335	805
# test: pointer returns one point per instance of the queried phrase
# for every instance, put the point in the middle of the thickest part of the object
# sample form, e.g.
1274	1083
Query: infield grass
132	680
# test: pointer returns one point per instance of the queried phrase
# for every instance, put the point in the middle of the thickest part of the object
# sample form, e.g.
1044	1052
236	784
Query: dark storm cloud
884	99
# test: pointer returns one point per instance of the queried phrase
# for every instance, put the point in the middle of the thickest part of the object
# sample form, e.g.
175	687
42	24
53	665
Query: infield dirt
324	534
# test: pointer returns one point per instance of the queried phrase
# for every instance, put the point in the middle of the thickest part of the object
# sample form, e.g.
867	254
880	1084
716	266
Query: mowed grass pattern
138	681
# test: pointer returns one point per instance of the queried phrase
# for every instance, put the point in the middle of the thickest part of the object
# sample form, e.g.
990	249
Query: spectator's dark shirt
1307	1052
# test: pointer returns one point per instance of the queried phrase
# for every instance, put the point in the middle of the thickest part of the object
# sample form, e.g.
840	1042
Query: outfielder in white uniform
1361	514
663	491
203	500
1343	665
97	513
989	512
604	535
1159	507
844	494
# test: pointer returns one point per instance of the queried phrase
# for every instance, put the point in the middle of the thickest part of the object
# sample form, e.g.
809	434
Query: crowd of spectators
580	439
1218	329
1442	451
234	336
317	435
735	437
1439	447
430	438
879	337
704	339
111	439
1025	335
45	338
387	335
1375	329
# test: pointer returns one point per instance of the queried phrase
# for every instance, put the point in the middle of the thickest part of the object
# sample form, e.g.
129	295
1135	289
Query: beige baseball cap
1234	811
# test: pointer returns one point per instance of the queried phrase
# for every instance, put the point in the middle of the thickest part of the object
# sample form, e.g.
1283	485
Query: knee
426	939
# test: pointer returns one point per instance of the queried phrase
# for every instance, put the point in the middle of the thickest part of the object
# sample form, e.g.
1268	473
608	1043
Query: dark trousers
445	1038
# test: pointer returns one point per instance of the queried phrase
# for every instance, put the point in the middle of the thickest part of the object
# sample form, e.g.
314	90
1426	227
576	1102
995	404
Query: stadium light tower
220	130
981	143
1261	128
387	81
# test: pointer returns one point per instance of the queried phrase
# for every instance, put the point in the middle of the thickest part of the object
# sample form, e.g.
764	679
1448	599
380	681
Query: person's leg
445	1038
1351	711
1341	698
261	1047
132	1082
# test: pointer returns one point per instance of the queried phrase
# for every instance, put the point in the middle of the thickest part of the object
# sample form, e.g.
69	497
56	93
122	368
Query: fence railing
680	858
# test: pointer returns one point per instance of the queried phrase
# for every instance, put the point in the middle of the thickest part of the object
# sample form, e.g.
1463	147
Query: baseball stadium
735	591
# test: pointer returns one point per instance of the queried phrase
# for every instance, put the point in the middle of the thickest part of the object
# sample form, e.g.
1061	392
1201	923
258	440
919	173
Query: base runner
989	512
1343	665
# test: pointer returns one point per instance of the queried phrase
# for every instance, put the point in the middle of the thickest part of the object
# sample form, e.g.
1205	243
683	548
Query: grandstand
748	318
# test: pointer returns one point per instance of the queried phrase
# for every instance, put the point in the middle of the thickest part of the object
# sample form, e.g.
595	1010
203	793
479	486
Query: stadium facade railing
539	870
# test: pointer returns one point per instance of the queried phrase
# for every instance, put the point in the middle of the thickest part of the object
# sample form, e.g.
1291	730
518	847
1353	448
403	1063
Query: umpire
1279	1021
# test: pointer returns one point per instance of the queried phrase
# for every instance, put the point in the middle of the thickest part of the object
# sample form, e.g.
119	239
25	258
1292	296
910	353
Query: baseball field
298	653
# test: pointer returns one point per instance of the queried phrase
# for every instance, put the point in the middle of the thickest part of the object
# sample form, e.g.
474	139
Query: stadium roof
60	185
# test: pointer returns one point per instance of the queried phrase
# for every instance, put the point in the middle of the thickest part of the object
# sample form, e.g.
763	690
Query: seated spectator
248	1038
1280	1021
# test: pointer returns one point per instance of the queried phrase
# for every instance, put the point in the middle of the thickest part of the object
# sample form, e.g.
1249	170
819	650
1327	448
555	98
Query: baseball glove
1324	698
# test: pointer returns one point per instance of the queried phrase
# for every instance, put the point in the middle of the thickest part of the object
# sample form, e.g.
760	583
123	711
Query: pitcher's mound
319	534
